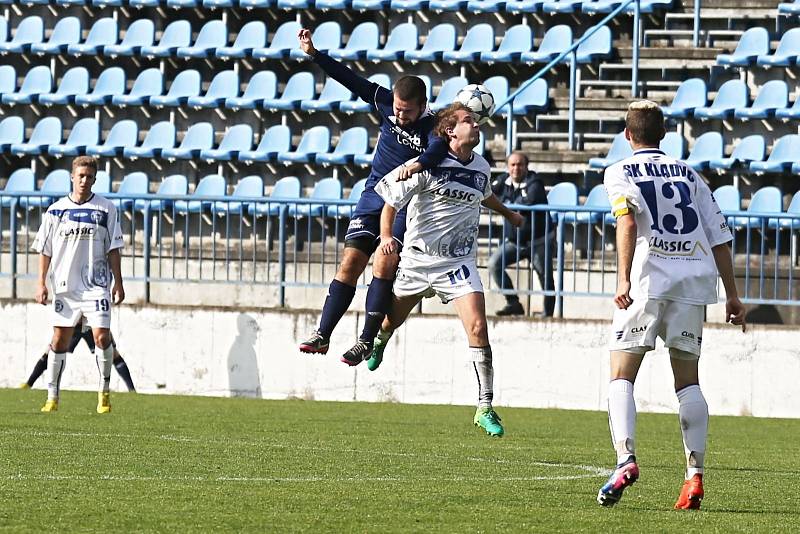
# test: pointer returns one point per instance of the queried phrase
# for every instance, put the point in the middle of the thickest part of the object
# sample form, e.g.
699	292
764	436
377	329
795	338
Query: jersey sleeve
115	240
623	194
398	194
435	153
43	242
367	90
714	223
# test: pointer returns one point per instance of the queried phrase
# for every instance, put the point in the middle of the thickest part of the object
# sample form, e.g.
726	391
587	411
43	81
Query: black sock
38	369
379	299
340	295
124	373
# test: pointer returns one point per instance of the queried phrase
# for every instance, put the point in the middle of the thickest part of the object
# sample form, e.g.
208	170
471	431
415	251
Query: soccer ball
479	100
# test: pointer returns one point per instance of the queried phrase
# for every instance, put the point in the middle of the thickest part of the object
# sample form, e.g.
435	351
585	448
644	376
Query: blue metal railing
233	244
511	141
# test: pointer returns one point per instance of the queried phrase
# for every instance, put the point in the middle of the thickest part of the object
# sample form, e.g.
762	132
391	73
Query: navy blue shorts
368	226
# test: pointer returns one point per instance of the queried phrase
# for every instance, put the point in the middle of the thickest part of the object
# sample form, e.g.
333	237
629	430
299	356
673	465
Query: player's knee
352	266
478	332
102	340
385	266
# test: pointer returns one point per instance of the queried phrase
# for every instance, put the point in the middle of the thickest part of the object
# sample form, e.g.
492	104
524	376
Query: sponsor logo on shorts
59	306
355	224
638	329
688	335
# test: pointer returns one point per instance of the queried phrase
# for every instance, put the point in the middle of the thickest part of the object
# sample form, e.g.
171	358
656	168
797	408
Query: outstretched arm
734	309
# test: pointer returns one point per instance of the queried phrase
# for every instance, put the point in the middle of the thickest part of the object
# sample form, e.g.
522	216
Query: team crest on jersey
59	306
96	216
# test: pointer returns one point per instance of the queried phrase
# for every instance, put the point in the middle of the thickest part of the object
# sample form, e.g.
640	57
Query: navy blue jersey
396	145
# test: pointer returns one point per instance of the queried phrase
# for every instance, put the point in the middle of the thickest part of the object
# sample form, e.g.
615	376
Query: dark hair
446	119
84	161
410	89
645	123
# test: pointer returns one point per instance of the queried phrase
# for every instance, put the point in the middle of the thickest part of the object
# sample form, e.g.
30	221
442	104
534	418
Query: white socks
622	418
693	414
55	368
104	358
481	358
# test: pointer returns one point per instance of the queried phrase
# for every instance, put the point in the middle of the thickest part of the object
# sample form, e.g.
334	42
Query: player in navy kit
406	132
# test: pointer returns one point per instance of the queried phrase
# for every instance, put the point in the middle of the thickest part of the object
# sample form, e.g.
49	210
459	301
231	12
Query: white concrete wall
559	364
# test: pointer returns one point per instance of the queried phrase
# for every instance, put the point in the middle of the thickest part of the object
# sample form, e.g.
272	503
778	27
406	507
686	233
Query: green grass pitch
189	464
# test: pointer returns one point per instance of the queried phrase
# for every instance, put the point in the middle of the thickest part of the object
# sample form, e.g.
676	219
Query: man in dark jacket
521	187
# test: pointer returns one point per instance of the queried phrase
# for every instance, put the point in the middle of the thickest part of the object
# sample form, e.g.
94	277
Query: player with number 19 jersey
678	222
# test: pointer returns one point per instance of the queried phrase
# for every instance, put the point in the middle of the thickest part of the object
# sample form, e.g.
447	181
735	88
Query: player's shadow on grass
244	379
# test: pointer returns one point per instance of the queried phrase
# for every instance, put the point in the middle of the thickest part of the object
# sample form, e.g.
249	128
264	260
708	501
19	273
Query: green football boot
487	419
376	357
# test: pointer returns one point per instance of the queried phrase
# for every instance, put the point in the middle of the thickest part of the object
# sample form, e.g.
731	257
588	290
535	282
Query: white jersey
443	209
678	221
78	238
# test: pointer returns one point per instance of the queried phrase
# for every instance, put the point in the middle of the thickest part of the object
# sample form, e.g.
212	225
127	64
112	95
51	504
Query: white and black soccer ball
478	99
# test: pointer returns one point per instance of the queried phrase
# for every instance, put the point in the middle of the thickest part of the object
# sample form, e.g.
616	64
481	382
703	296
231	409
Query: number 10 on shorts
460	274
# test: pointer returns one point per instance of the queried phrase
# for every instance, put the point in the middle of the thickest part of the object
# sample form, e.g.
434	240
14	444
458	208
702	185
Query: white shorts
68	308
680	325
447	284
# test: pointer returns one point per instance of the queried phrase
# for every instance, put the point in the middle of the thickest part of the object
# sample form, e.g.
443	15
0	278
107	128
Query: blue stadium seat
179	4
74	82
238	138
173	185
284	40
352	141
185	85
673	145
253	35
12	131
447	92
210	186
600	6
620	149
556	40
789	8
766	200
56	185
786	224
110	83
597	46
219	4
325	5
102	183
733	95
47	132
408	5
327	36
486	6
4	24
565	195
772	96
441	39
324	189
403	37
123	133
316	140
248	187
788	113
479	38
365	160
498	86
691	94
370	5
299	87
148	84
517	40
523	6
224	85
358	105
262	86
139	4
787	52
784	153
363	38
85	133
30	31
728	199
160	136
294	5
254	4
37	81
598	199
561	6
707	147
66	3
21	180
275	140
135	183
287	188
199	136
103	33
139	33
649	6
534	98
751	148
754	43
213	35
176	35
108	3
67	31
8	79
332	95
346	211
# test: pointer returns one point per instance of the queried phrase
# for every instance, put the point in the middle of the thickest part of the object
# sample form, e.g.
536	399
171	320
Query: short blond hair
645	122
447	120
84	161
